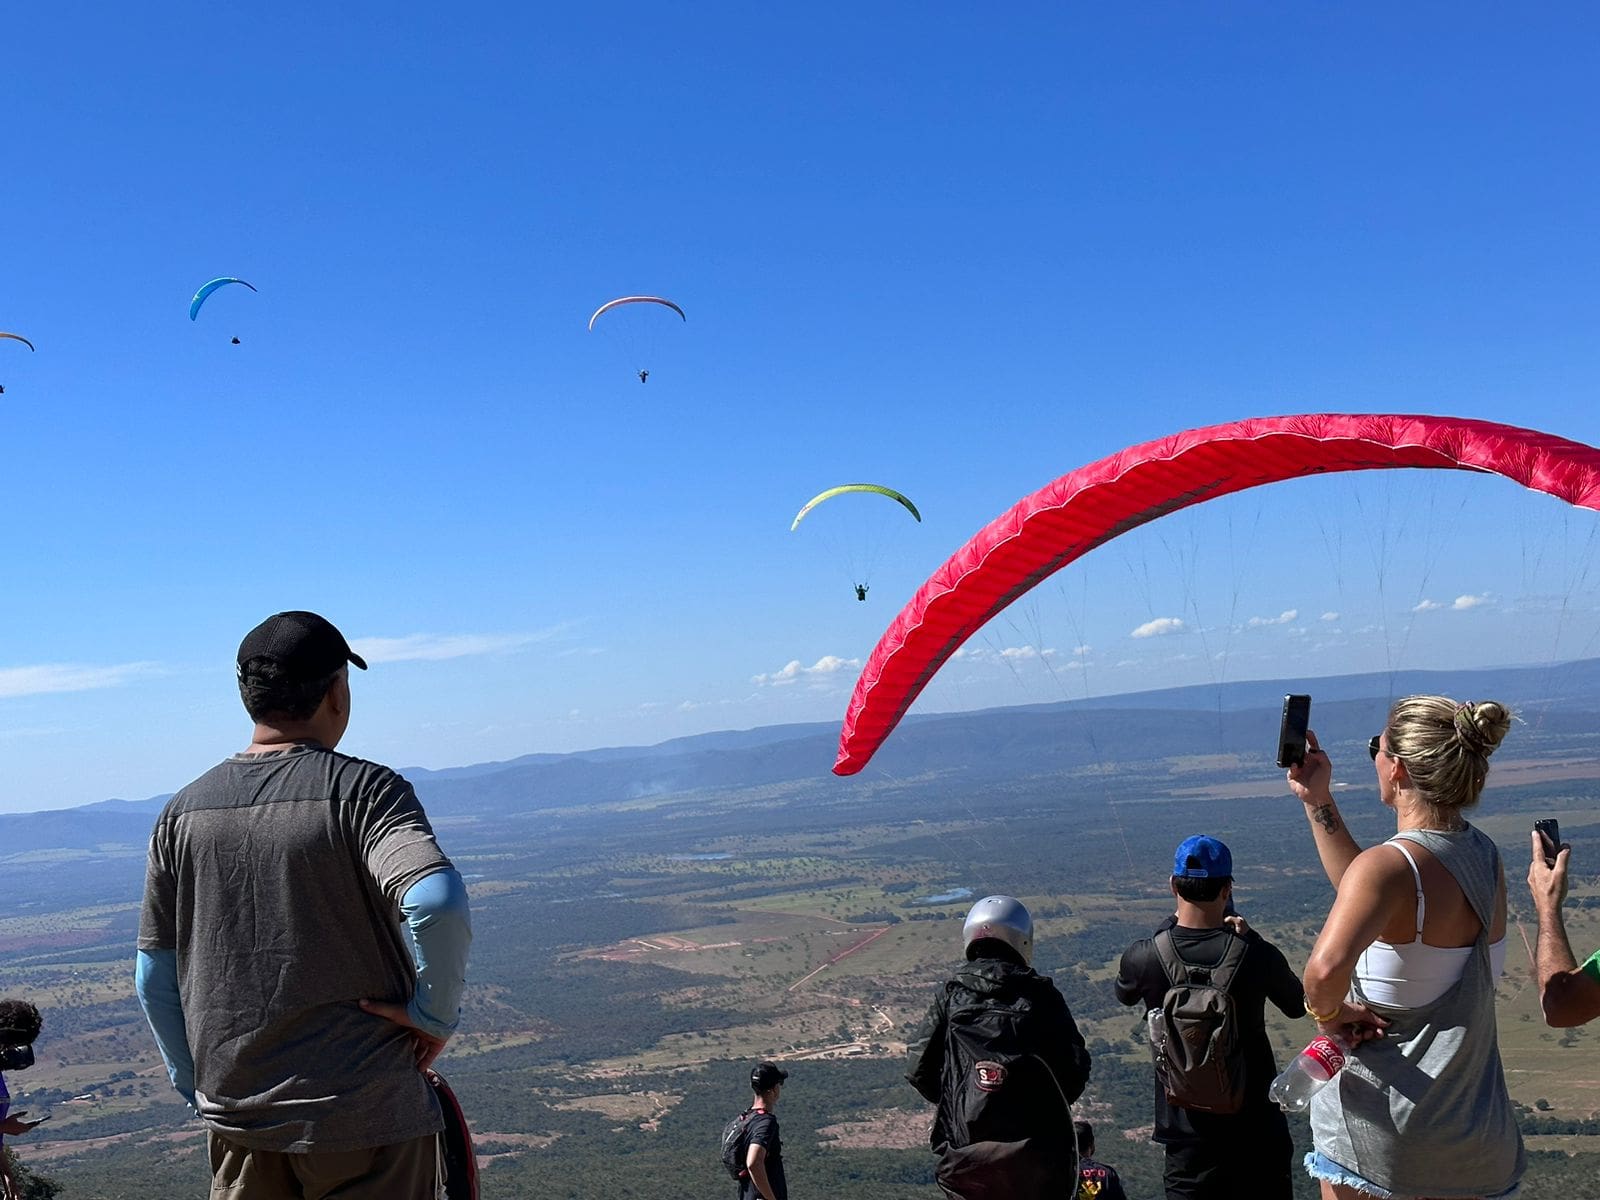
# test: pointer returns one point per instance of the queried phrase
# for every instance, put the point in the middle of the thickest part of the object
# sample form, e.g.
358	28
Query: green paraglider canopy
845	489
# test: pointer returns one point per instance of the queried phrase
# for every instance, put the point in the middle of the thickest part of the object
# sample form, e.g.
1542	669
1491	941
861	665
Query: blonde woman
1405	967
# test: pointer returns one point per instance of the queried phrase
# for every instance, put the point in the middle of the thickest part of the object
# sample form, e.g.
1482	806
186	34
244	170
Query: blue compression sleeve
155	979
436	911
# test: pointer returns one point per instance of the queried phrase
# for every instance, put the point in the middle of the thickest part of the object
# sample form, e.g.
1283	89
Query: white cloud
437	647
1081	651
793	671
1282	618
1426	606
1159	627
688	706
1330	616
1025	653
48	678
1462	603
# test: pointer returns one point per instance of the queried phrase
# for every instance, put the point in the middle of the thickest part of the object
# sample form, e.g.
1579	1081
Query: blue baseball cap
1202	857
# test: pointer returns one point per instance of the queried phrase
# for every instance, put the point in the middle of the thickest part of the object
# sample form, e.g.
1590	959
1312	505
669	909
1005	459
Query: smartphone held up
1549	831
1292	730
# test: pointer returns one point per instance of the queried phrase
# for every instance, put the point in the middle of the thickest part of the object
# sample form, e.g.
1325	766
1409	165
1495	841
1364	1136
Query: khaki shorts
402	1171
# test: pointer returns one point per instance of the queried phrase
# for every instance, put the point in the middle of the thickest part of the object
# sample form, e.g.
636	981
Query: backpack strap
1222	975
1177	970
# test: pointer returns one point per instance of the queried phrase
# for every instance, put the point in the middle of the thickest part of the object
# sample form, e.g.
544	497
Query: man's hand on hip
427	1047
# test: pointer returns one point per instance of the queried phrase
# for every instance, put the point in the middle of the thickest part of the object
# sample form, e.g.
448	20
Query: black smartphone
1549	830
1292	732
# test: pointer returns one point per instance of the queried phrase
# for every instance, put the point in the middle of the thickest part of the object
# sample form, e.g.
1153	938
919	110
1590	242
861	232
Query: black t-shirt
1264	975
764	1132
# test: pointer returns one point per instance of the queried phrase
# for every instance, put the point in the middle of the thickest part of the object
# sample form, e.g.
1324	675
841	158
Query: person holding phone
1404	968
1569	994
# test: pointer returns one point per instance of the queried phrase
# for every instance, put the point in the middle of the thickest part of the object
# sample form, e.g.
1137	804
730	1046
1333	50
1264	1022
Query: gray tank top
1424	1110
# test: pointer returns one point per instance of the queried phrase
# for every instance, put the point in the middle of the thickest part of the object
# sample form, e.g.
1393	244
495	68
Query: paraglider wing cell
846	489
1088	507
17	337
204	292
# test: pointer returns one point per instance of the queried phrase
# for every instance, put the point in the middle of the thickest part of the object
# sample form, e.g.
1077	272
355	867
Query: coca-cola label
1326	1056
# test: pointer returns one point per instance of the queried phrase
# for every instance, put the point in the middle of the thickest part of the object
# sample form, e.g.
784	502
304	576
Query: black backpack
735	1144
997	1089
1194	1035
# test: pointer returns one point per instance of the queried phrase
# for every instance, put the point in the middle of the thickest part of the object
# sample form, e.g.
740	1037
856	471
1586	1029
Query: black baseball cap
307	647
767	1076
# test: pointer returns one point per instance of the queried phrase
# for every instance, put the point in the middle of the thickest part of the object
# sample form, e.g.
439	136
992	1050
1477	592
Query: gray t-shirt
277	879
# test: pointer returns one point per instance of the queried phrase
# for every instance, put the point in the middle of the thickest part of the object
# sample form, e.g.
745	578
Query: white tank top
1414	974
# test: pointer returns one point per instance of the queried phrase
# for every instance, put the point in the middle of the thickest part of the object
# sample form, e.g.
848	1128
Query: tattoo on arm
1326	817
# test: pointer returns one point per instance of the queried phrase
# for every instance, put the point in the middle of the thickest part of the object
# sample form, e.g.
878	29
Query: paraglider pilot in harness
861	591
1001	1056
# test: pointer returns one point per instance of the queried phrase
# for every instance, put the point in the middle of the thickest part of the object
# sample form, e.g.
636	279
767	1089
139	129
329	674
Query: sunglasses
1373	746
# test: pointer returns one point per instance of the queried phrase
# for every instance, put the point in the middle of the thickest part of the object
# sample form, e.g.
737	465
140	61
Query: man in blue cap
1230	1149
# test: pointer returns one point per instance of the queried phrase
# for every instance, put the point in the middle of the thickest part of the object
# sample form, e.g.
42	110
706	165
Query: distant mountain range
972	749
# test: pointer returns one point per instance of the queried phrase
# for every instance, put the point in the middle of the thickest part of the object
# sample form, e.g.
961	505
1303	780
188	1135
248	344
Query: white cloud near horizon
1330	616
1426	606
53	678
1462	603
1015	654
439	647
794	671
1282	618
1024	653
1160	627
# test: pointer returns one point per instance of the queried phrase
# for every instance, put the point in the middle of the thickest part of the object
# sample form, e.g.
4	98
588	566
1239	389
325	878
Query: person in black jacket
1001	1056
1215	1156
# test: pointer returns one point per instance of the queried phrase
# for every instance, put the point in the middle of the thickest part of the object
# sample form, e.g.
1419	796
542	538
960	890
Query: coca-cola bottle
1308	1073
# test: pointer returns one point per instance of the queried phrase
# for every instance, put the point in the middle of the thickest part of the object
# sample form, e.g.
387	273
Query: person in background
1405	965
1569	994
20	1025
1213	1155
303	944
1096	1180
1001	1056
765	1179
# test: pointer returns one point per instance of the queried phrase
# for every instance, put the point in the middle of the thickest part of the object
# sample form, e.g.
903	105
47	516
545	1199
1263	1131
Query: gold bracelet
1323	1018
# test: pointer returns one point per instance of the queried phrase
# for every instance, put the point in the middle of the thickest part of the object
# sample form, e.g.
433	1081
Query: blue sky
957	252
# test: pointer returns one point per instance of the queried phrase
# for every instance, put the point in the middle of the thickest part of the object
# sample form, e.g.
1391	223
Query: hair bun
1481	725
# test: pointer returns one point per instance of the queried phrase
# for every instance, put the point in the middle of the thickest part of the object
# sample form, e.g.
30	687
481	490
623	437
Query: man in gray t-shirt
302	946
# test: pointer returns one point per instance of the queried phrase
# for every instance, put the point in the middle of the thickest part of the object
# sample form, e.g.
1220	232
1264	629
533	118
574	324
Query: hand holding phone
1292	730
1549	831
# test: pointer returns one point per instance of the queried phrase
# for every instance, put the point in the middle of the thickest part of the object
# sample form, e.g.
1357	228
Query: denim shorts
1320	1166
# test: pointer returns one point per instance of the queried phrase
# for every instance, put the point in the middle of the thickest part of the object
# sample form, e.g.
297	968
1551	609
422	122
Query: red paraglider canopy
1088	507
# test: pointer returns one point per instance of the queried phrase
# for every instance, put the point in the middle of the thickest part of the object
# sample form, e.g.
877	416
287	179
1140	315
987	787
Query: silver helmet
1003	918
